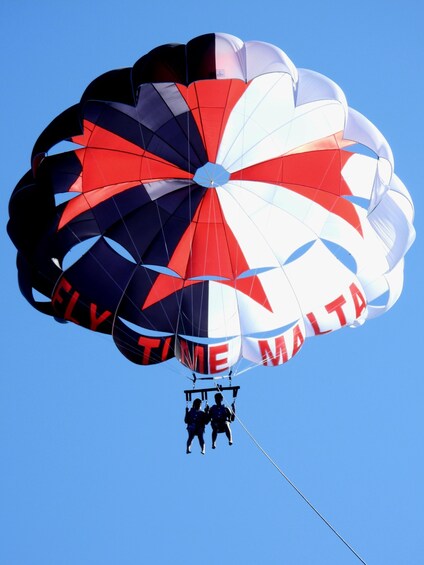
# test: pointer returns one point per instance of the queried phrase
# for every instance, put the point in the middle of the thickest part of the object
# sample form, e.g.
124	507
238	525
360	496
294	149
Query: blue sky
93	468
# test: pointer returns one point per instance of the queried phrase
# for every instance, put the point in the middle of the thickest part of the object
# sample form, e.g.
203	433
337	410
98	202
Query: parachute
214	203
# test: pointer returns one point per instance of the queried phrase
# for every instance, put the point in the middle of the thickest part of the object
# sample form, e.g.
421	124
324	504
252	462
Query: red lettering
298	339
337	306
96	321
358	300
71	306
63	285
280	351
217	365
148	343
198	361
57	297
314	324
165	348
185	354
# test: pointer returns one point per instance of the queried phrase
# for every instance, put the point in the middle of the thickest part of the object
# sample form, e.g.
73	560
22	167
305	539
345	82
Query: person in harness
220	417
196	420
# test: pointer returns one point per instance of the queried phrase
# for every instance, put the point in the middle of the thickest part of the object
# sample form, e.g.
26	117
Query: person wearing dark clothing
196	420
220	417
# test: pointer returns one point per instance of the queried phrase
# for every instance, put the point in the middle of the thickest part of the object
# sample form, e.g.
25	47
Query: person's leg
201	442
214	436
189	440
228	433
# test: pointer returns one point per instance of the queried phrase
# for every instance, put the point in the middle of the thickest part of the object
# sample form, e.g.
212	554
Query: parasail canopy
216	204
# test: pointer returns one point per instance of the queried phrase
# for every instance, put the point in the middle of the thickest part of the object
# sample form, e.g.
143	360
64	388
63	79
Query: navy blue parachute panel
59	172
82	228
126	230
173	214
182	202
163	222
166	63
164	303
31	210
114	85
163	110
201	58
30	279
115	210
140	307
63	127
182	64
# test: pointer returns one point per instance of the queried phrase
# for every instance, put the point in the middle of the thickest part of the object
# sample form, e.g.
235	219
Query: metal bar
235	390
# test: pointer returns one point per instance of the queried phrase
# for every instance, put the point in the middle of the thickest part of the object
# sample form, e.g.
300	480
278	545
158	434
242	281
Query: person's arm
233	411
186	418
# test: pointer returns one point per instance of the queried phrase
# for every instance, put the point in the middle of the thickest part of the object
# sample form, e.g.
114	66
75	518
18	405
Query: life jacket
196	419
219	414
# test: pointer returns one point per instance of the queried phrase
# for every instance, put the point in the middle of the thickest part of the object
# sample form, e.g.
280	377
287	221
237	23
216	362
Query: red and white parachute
235	205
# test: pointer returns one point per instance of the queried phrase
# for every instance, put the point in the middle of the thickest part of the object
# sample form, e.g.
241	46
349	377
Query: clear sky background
93	469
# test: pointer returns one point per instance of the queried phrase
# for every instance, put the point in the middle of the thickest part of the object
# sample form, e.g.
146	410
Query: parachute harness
299	492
